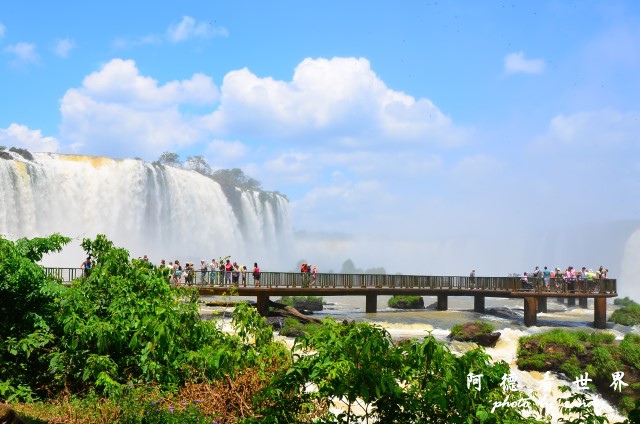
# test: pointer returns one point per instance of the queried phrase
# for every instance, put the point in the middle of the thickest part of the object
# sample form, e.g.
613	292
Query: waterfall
631	266
151	209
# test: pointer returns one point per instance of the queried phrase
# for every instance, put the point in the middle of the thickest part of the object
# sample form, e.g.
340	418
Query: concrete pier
542	304
371	303
478	303
530	311
262	304
600	312
443	302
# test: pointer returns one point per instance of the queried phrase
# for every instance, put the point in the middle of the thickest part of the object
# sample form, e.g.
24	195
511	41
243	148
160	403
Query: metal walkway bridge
533	293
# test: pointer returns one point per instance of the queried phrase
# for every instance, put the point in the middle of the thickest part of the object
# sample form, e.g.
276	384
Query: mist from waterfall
157	210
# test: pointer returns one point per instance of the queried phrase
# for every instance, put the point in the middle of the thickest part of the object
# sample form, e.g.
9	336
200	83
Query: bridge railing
300	280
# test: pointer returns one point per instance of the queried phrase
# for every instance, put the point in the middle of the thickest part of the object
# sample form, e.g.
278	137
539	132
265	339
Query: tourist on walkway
86	267
235	274
256	274
177	272
213	272
314	275
228	267
305	270
203	271
546	275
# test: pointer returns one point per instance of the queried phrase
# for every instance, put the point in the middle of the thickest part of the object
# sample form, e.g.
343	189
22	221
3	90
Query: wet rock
472	332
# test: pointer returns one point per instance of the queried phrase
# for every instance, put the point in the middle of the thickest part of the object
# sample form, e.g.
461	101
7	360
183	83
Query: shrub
626	301
601	337
604	363
304	303
627	315
482	328
571	367
406	302
570	339
630	350
294	328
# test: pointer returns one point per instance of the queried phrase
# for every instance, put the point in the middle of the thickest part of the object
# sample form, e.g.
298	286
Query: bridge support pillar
530	311
443	302
262	304
478	303
571	301
600	312
542	304
583	302
371	303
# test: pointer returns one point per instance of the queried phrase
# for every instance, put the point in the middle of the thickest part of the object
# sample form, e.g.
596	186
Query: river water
507	317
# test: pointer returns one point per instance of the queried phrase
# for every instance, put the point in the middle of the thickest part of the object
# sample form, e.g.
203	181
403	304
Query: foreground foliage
346	372
28	316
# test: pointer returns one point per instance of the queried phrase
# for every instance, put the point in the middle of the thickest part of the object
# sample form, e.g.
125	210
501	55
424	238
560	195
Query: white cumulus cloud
3	29
21	136
516	63
340	99
63	47
119	112
24	53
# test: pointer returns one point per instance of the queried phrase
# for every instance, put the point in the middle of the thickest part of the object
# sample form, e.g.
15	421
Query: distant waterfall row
148	209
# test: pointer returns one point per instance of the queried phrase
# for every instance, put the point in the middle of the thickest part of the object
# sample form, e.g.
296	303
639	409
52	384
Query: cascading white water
631	266
160	211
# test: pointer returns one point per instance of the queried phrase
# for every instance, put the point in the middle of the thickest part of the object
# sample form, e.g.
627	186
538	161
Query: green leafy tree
169	158
124	324
236	178
27	314
198	164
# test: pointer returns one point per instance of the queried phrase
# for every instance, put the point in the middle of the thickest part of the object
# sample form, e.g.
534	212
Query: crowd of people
222	272
572	278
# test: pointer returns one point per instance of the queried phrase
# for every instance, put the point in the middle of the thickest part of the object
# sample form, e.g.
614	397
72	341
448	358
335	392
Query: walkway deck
372	285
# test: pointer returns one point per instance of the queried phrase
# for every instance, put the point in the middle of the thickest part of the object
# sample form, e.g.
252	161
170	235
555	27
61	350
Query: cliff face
147	208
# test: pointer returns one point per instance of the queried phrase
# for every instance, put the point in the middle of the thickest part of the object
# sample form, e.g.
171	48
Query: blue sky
419	122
